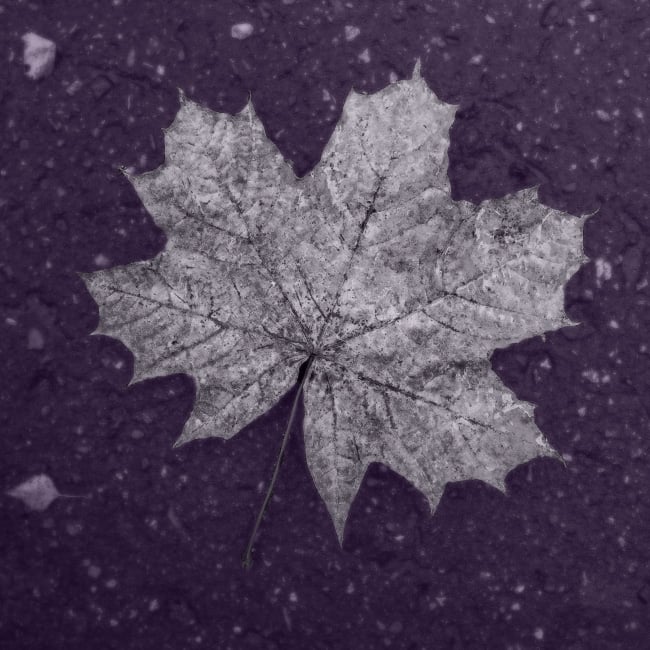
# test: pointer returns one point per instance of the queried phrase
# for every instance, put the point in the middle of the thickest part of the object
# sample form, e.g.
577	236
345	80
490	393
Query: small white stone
241	31
603	116
351	32
101	260
603	270
38	54
74	87
365	56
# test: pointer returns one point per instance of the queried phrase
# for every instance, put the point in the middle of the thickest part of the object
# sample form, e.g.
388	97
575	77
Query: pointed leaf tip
417	70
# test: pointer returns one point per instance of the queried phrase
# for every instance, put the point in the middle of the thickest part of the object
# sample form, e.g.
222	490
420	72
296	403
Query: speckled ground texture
551	94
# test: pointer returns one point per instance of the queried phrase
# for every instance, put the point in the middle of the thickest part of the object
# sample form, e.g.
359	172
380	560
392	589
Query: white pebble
365	56
351	32
38	54
241	31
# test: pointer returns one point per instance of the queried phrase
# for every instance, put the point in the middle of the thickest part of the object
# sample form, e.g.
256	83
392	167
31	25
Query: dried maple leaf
396	294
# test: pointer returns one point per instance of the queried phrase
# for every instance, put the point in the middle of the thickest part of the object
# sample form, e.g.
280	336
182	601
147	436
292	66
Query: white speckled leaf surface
401	293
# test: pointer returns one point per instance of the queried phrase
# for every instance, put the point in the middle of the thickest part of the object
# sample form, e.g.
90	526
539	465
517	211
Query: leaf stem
248	555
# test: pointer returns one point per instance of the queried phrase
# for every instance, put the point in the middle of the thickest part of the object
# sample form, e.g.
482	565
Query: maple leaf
395	293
